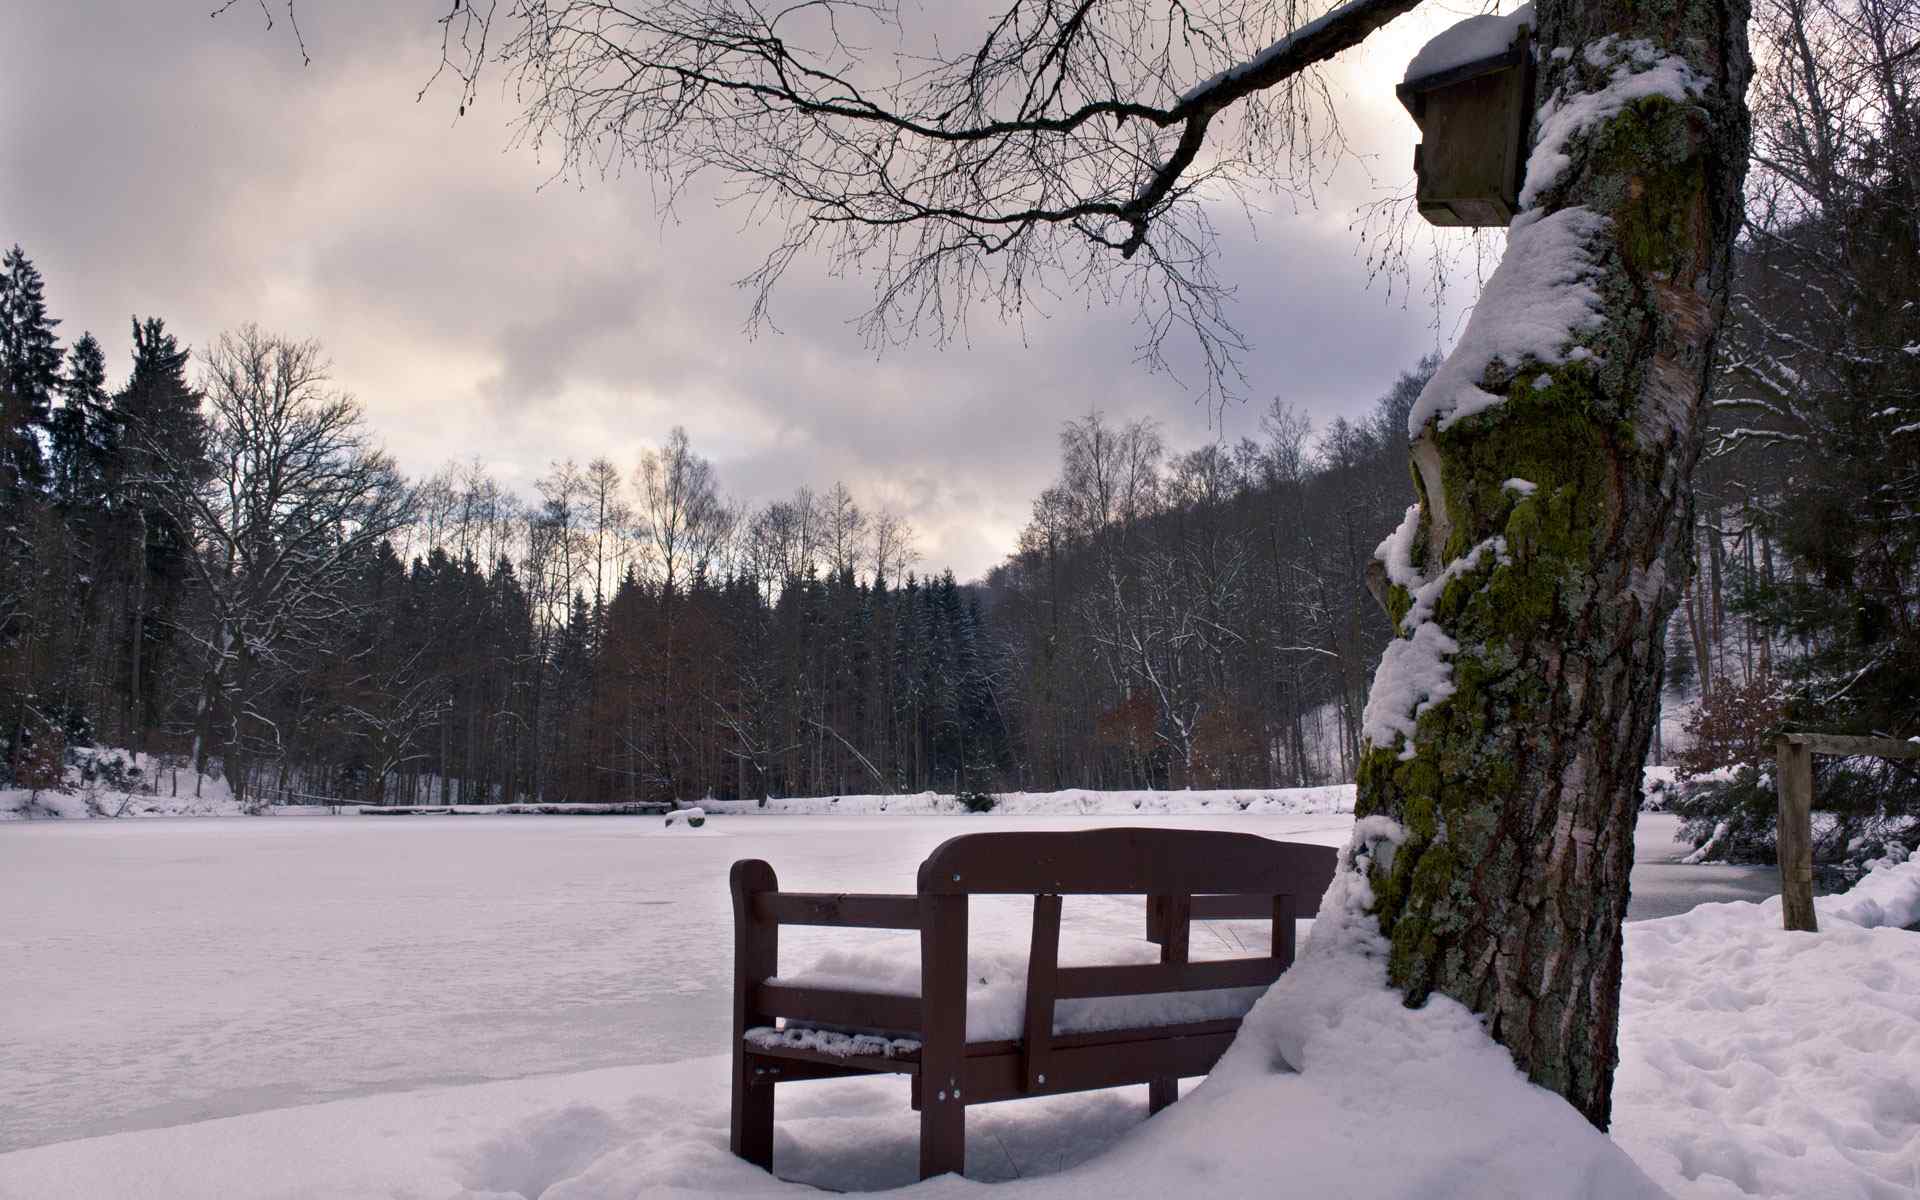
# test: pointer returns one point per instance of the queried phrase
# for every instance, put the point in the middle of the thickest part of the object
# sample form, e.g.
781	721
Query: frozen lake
160	972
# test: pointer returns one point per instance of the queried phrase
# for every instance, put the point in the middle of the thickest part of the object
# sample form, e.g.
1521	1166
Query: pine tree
29	374
158	412
155	422
79	431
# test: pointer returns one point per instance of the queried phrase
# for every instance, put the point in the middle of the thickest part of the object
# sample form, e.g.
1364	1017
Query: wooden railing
1793	754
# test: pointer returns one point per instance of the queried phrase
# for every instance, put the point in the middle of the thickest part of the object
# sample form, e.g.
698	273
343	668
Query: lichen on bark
1519	791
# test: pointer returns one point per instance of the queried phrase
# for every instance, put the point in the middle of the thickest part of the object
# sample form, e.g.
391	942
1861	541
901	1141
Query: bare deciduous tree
296	495
846	529
891	544
1068	149
610	517
685	522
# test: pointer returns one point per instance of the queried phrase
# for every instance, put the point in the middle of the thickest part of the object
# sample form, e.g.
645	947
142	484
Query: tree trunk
1516	782
136	709
1716	556
234	762
1696	601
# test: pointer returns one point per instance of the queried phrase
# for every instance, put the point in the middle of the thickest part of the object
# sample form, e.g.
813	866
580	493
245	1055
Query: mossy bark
1521	790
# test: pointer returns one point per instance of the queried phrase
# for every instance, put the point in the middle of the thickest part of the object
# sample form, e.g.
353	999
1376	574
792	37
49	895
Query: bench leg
752	1134
943	1135
1162	1092
943	1049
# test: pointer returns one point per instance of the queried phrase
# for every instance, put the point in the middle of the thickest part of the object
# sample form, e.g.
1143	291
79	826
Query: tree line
214	560
1200	618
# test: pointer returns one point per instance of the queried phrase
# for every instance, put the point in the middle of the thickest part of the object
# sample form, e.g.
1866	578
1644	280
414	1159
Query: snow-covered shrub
1870	804
1736	812
112	771
1658	790
978	802
107	780
1730	814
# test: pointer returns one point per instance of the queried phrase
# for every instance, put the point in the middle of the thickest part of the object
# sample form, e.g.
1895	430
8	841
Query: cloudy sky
154	161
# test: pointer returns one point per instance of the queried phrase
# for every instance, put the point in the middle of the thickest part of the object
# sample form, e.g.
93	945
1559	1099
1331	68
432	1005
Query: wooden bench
1186	875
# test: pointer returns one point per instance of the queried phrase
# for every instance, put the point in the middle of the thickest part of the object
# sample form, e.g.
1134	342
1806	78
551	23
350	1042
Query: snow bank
626	1133
1889	896
1337	1090
178	794
1469	41
1375	1099
217	801
1333	798
1757	1062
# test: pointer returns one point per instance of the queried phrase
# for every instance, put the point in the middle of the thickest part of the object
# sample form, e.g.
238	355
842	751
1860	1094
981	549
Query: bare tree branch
1067	153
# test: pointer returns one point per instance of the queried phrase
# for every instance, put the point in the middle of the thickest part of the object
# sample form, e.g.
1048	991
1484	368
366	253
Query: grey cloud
159	163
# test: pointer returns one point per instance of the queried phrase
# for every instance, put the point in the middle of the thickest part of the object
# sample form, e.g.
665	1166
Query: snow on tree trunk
1531	585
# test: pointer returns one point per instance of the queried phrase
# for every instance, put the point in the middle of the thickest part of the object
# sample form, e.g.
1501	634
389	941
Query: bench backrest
1125	861
1232	874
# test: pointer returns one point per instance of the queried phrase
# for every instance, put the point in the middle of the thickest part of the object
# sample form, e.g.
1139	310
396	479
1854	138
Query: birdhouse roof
1465	50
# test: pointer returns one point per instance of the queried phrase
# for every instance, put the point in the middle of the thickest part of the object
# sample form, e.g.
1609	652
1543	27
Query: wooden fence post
1794	840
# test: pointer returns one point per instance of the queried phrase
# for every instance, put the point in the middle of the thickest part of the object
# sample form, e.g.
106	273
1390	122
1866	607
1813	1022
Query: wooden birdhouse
1474	105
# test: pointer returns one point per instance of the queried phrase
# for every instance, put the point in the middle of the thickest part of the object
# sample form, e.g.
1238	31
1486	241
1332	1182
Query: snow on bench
978	1028
997	992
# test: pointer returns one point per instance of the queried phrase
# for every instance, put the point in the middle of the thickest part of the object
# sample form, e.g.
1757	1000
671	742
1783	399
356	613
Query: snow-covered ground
1759	1062
160	972
174	792
219	977
180	797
